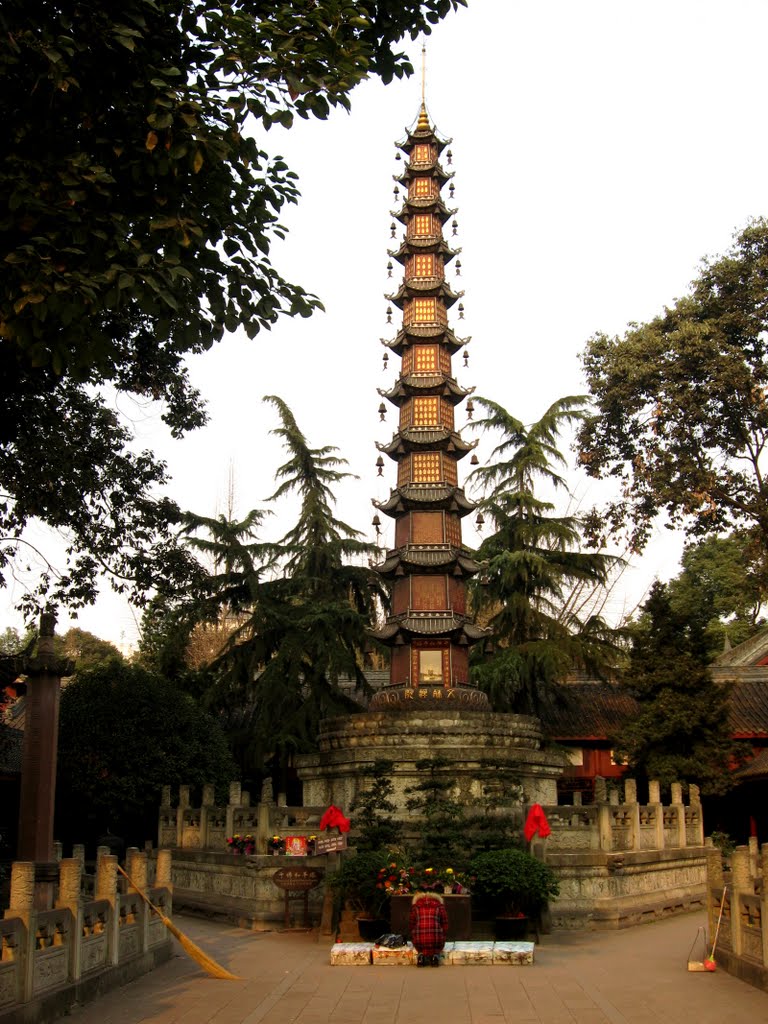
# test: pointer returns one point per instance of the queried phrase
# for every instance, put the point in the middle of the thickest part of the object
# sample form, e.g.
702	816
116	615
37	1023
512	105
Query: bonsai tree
521	884
358	886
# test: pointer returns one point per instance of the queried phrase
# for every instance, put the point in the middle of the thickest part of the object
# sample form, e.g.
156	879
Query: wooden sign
330	844
297	879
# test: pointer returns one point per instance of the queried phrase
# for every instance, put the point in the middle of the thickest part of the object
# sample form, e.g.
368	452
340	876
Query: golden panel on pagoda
423	225
424	310
453	530
458	594
429	593
426	411
427	528
426	359
401	595
422	154
421	412
424	264
422	188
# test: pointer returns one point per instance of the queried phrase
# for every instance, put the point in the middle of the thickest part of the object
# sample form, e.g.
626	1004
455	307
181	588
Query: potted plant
519	884
357	886
276	845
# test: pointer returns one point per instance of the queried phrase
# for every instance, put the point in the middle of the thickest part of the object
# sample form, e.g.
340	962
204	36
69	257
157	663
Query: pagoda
429	631
428	709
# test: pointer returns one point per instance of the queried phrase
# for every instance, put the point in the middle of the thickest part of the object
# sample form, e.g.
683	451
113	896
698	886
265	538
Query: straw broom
208	964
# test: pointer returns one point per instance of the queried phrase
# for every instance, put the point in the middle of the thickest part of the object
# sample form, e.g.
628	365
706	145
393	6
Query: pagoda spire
429	629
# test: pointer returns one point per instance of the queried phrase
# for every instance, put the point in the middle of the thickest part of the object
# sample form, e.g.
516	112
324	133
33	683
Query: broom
709	963
206	962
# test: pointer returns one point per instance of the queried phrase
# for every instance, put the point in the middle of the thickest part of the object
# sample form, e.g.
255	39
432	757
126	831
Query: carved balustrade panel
95	942
52	950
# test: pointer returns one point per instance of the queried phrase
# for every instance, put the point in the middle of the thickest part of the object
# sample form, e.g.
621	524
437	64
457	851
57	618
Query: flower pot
511	929
371	928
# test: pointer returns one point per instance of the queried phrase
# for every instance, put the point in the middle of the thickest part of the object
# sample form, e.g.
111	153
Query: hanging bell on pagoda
466	359
461	311
458	268
389	314
470	409
474	461
380	466
382	411
385	359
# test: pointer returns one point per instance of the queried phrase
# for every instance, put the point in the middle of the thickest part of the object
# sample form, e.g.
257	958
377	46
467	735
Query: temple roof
430	496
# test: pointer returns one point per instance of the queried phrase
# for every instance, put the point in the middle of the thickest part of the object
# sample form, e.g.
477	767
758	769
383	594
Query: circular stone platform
475	743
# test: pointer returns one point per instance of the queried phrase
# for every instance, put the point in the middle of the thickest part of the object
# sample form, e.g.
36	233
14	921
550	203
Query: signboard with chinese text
330	843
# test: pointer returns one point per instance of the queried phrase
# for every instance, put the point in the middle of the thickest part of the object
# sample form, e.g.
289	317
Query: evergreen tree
302	610
532	562
680	732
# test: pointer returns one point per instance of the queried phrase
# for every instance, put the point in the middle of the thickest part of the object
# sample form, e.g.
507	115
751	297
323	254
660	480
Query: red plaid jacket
429	923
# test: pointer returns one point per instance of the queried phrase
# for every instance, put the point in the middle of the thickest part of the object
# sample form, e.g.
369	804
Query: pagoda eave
427	205
431	496
442	626
427	286
434	385
433	169
439	558
435	438
409	335
439	245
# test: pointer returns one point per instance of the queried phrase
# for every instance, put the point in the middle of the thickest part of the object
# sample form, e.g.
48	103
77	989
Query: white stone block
404	956
515	954
470	953
351	954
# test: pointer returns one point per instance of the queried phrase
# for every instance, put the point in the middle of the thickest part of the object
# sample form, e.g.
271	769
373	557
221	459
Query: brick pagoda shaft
429	629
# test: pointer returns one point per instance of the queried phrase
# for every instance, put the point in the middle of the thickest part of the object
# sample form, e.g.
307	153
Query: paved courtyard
636	976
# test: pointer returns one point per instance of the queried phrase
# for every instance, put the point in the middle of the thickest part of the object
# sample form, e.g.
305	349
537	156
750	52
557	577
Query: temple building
429	629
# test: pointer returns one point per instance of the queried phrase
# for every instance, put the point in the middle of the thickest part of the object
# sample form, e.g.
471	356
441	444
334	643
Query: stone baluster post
207	808
105	888
22	905
604	825
741	884
235	798
136	867
181	814
764	901
70	879
697	823
78	853
163	874
754	856
678	811
657	809
715	883
632	808
164	813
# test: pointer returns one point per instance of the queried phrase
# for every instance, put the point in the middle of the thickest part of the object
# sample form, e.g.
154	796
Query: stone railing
54	957
208	826
738	887
612	825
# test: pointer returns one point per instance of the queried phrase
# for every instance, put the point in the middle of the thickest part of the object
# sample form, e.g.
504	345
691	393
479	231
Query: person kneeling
429	926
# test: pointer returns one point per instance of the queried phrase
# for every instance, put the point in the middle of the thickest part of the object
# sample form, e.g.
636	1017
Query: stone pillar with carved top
70	878
633	813
105	888
741	885
22	905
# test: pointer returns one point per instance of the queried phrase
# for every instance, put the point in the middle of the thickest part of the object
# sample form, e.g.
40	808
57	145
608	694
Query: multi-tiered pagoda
428	630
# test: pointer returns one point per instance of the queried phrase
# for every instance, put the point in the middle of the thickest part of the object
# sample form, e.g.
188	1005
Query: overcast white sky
601	148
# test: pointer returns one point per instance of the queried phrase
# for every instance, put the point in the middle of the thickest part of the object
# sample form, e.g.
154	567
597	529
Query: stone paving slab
635	976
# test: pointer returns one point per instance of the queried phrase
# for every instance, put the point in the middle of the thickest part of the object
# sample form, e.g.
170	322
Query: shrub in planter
519	884
357	884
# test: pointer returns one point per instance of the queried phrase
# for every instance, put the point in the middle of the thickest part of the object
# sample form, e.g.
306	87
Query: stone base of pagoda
429	698
475	743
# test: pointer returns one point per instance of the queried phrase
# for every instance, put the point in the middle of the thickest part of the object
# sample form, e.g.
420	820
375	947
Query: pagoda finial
423	122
